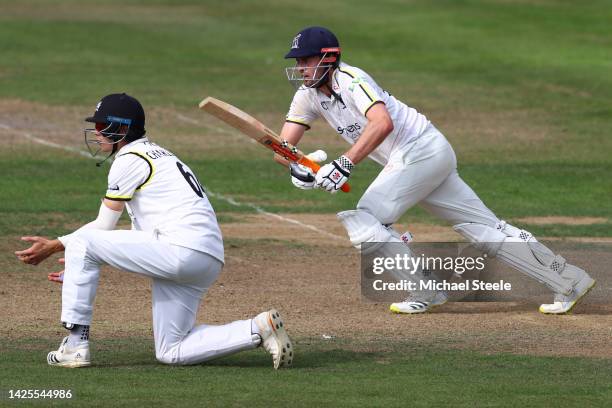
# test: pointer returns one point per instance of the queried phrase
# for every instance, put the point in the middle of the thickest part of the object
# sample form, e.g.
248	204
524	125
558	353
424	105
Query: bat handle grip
315	167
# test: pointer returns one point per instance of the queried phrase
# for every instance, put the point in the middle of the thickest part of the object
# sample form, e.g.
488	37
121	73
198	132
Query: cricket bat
253	128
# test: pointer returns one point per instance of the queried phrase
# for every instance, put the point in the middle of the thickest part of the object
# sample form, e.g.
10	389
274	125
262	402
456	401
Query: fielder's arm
115	206
378	128
108	216
42	248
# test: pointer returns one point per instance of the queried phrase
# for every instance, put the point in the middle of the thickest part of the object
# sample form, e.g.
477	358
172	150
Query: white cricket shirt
163	196
356	92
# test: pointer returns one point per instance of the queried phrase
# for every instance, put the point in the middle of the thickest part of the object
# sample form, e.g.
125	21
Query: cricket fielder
419	167
175	241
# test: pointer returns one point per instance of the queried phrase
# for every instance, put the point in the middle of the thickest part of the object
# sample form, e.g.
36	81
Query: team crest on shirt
296	41
355	81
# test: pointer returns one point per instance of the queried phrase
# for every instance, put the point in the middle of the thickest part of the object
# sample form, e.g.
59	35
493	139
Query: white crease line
46	142
269	214
57	146
187	119
229	200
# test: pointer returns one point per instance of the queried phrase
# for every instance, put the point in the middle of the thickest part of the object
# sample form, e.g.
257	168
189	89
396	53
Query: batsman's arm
378	128
292	133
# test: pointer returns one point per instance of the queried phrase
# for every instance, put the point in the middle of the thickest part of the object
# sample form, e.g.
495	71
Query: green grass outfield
517	69
326	373
534	189
521	88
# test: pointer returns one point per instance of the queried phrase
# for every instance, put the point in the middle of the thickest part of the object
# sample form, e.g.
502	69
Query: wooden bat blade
236	118
256	130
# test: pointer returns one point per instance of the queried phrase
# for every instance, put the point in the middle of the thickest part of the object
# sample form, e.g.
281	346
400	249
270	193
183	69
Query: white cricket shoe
416	304
274	338
564	304
69	357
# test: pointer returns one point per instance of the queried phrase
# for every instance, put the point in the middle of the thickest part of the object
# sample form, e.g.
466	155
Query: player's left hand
57	277
333	175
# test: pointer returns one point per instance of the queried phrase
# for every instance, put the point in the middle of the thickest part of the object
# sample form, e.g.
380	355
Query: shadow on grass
139	353
306	357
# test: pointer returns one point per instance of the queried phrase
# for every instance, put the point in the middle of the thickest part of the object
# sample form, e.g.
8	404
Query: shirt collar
335	96
131	144
335	85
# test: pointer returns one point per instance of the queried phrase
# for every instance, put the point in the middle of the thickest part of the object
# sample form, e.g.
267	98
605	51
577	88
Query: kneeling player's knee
165	357
77	246
80	247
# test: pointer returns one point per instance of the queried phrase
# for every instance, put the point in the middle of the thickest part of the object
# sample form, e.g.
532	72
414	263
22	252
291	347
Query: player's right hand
332	176
40	250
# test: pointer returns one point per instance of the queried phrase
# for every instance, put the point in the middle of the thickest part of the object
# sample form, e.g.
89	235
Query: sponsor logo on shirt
352	131
113	187
353	82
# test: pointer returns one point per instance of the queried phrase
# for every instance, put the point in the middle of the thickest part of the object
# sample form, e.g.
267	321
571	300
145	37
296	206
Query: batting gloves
302	177
333	175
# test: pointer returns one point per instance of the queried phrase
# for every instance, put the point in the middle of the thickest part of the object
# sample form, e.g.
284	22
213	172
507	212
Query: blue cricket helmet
314	41
119	109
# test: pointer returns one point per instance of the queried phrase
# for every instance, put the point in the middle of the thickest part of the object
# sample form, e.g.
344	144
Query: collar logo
98	106
296	41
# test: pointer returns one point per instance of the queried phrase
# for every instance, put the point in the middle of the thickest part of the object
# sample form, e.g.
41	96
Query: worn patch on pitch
559	220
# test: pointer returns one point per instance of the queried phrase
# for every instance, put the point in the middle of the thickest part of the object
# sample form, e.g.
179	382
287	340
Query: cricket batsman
419	167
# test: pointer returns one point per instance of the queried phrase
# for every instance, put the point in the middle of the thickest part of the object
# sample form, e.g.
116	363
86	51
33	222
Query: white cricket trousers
180	279
425	173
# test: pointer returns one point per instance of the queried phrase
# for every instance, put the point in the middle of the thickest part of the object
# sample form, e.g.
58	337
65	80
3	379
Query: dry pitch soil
313	281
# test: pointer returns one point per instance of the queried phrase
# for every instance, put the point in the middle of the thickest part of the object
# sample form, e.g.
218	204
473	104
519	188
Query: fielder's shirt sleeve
302	110
363	92
129	173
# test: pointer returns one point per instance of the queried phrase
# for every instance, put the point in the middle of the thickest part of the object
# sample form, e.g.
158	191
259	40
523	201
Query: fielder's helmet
315	41
115	110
